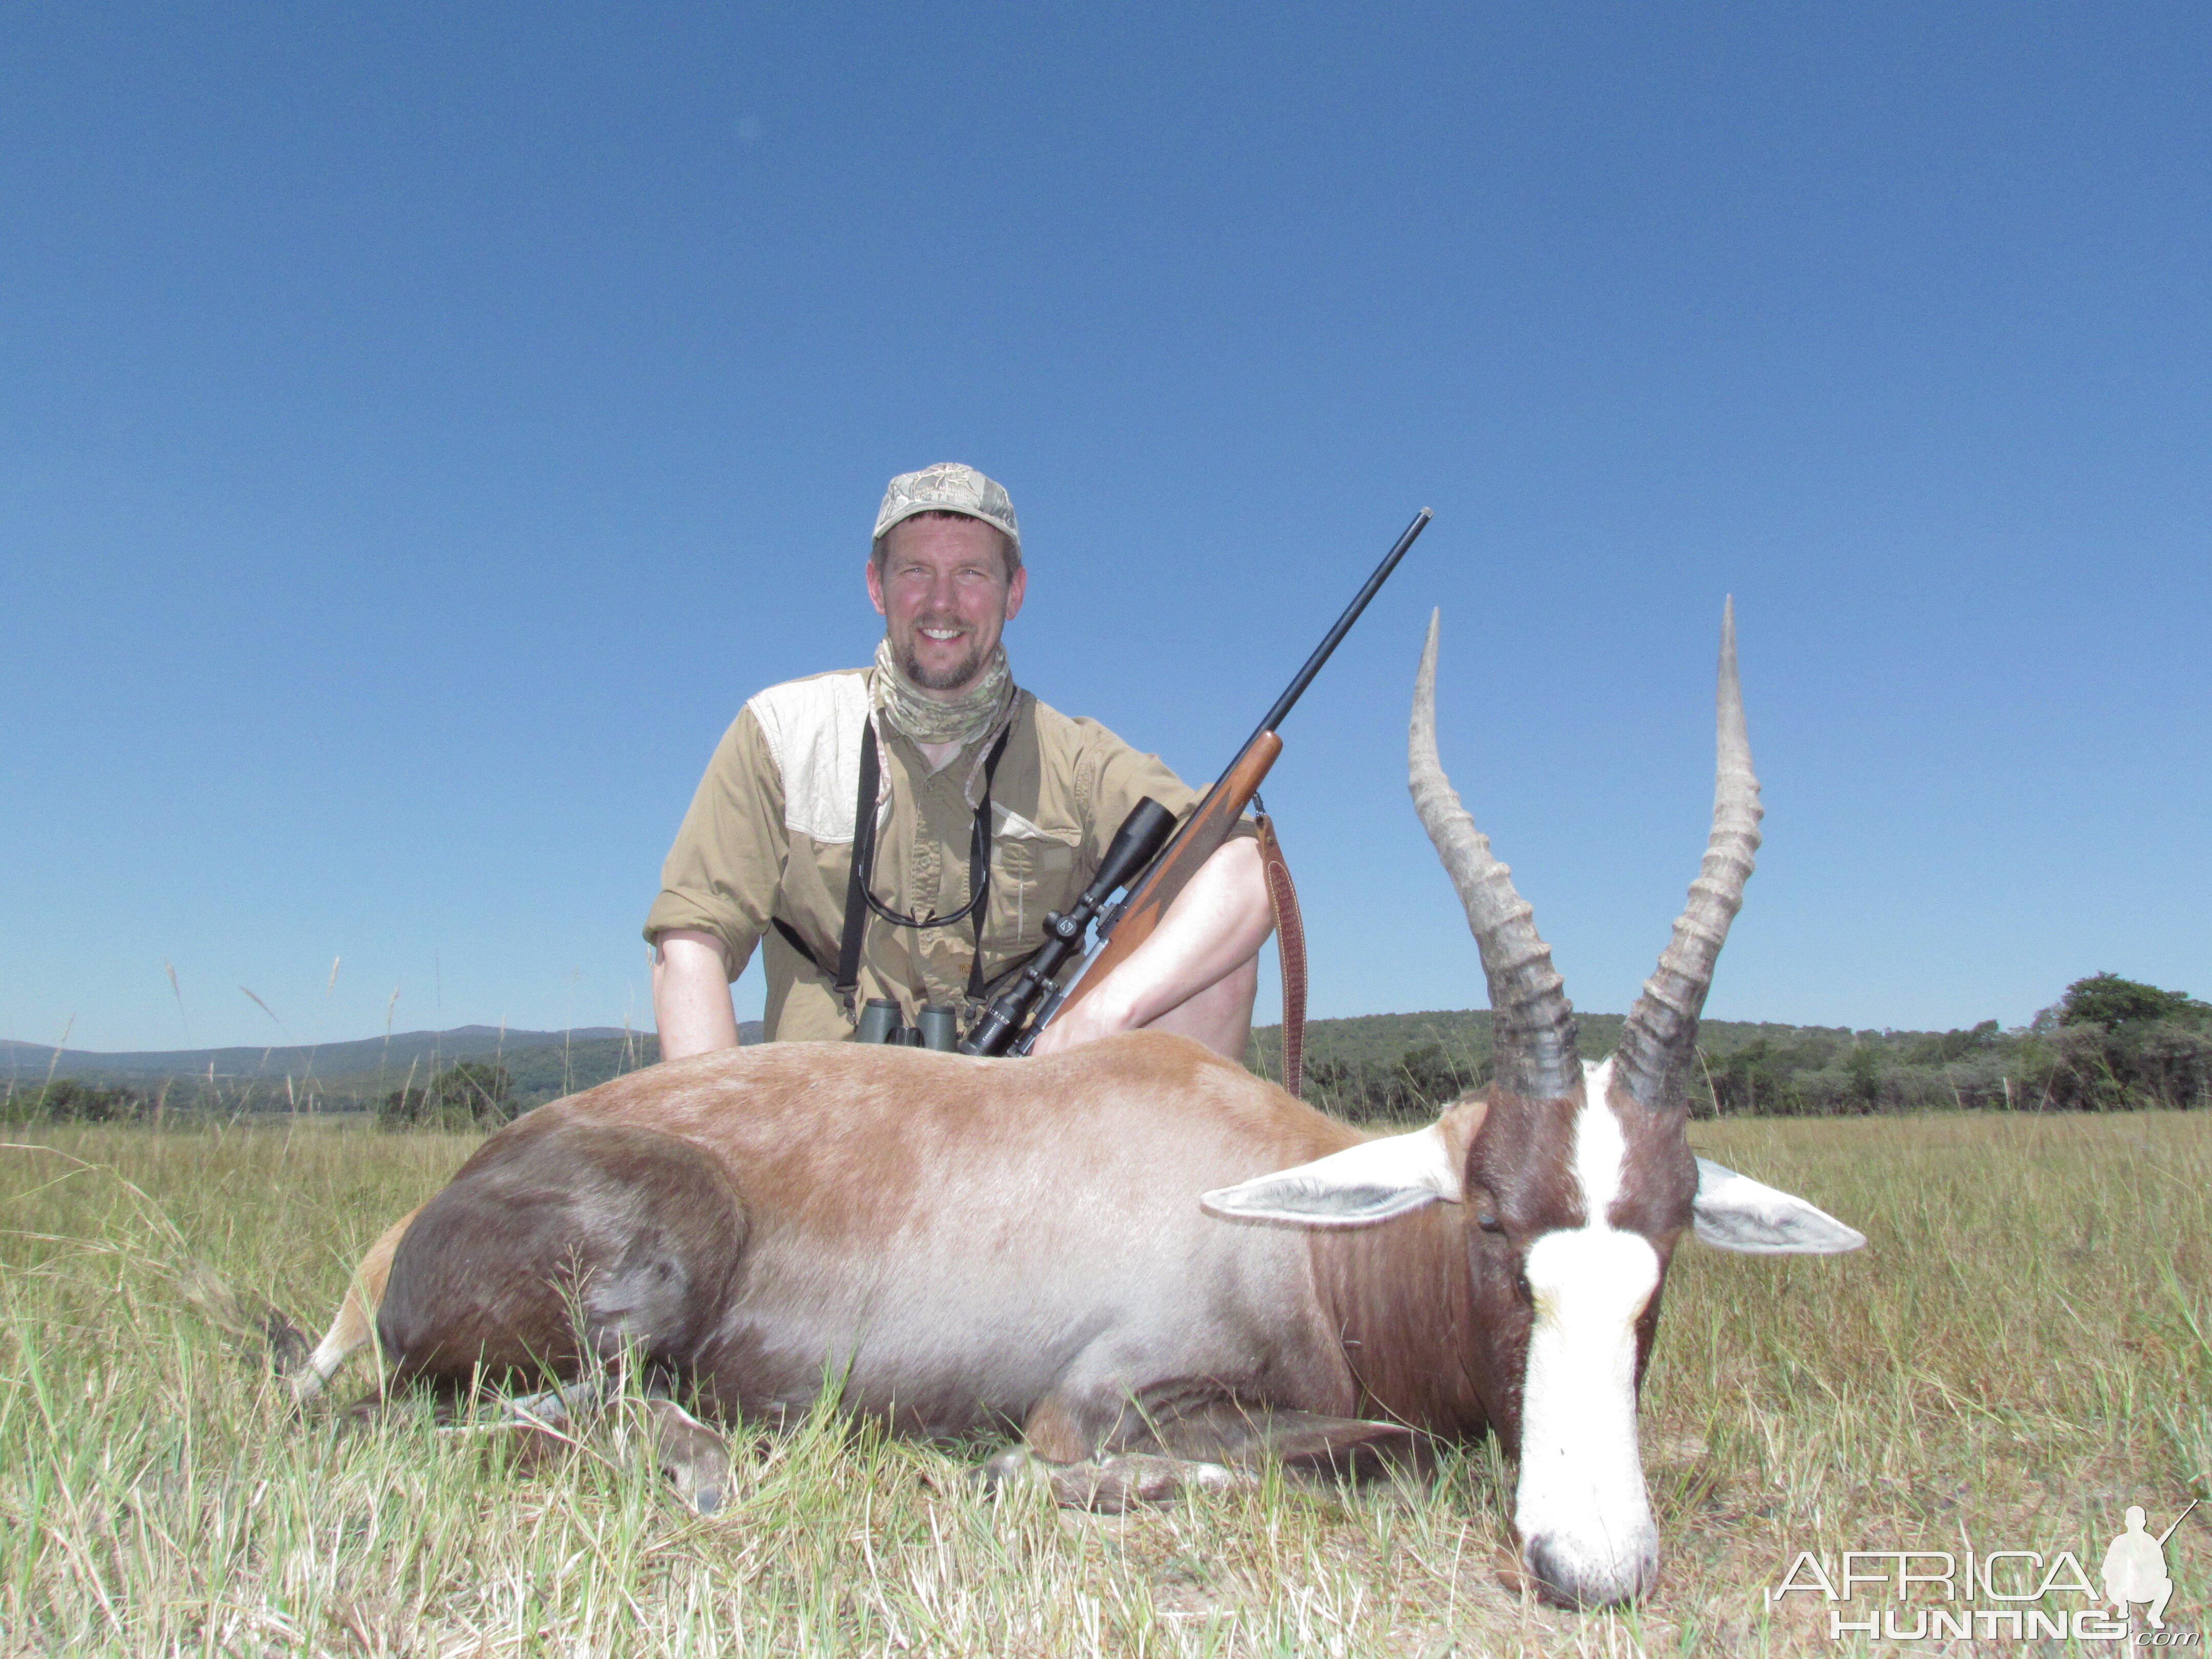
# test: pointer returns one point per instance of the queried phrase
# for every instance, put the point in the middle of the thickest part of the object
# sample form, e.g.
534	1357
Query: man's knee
1241	982
1220	1016
1231	996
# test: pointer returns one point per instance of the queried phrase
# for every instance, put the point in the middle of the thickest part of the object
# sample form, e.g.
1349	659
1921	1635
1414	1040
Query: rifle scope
1135	844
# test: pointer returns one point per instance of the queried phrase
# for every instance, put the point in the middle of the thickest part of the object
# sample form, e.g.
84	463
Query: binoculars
935	1027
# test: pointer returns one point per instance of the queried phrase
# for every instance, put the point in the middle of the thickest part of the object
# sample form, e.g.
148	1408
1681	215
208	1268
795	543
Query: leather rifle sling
1290	947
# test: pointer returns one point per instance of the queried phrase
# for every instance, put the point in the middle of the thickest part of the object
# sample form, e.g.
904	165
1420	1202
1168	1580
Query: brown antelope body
1136	1246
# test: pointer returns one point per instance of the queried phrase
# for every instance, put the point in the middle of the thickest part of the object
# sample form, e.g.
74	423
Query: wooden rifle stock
1196	841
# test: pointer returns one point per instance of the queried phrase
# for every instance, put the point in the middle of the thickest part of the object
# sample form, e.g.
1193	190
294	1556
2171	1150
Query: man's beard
947	680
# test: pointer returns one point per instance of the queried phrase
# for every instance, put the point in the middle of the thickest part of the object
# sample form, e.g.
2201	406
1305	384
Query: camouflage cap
949	486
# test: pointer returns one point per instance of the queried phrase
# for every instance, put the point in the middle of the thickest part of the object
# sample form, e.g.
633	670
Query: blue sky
420	427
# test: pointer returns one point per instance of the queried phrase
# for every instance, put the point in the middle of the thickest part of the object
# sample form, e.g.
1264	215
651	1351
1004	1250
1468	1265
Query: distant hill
542	1064
1376	1068
1463	1034
401	1049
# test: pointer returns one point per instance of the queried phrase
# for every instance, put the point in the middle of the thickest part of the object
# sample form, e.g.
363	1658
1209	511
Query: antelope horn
1657	1042
1532	1023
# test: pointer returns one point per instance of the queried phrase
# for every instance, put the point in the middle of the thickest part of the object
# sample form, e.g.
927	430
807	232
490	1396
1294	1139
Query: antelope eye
1489	1223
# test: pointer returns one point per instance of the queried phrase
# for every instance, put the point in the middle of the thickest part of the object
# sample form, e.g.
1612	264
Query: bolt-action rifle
1155	861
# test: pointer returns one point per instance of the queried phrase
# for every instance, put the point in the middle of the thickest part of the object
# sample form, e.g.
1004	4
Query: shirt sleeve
723	872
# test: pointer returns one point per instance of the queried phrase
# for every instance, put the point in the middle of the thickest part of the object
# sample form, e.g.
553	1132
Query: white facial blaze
1580	1507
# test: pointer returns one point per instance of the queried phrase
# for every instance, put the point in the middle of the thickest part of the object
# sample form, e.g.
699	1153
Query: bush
2088	1067
67	1100
469	1096
2117	1004
1412	1087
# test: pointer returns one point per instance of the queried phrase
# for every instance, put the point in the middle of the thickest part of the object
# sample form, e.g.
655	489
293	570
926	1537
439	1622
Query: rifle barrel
2177	1520
1297	686
1296	689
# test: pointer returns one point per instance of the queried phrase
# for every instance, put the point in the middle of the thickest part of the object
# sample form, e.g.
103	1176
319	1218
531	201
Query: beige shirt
769	834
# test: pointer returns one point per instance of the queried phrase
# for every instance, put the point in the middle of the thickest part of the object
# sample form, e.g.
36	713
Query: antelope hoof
1010	1470
690	1453
285	1346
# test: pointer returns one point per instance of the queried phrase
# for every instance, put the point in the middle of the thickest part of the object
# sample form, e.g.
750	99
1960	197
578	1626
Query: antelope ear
1734	1213
1355	1187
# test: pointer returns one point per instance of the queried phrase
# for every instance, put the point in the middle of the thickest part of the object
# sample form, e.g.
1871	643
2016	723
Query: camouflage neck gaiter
908	709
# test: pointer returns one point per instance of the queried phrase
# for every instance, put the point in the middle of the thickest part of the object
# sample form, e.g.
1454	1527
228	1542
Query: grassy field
2024	1349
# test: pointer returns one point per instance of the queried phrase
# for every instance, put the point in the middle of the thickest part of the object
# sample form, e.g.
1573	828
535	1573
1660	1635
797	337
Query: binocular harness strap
860	900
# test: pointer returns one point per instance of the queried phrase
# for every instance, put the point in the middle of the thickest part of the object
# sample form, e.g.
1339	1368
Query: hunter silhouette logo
1917	1595
2135	1567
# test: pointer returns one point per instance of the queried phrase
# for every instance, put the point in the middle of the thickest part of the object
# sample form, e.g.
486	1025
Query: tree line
2108	1044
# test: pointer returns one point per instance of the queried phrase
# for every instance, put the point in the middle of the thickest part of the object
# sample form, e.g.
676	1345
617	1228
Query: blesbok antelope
1137	1251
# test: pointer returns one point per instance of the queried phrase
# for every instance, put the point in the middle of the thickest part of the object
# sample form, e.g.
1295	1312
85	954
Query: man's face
944	593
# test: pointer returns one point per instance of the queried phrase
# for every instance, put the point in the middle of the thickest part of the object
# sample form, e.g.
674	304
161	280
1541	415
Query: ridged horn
1661	1032
1532	1023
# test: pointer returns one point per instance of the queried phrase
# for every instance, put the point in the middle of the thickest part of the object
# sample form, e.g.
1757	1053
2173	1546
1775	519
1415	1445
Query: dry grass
2021	1351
